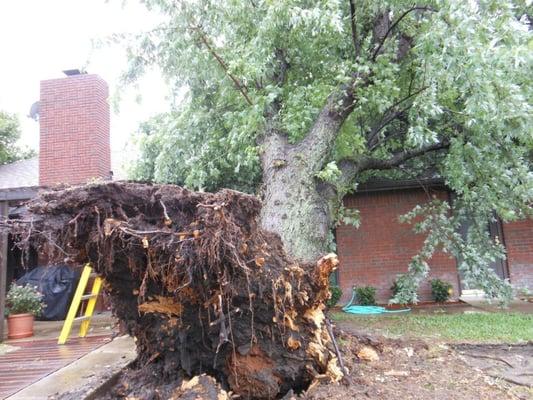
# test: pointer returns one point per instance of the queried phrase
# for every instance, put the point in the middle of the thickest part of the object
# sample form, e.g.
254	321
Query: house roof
19	174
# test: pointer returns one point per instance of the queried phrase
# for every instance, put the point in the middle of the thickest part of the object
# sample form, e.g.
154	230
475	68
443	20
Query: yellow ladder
79	296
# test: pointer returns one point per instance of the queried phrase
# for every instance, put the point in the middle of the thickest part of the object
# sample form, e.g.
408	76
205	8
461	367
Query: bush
404	291
441	290
336	294
24	300
366	295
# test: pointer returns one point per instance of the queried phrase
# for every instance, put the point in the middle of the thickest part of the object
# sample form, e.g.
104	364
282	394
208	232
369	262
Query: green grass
479	327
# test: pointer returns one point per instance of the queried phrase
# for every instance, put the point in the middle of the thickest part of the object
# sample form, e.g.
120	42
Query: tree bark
294	209
295	205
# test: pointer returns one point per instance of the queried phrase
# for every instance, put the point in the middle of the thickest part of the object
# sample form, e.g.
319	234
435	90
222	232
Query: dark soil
196	281
412	369
404	369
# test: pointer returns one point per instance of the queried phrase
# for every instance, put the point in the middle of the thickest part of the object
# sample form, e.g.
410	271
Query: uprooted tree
197	282
302	100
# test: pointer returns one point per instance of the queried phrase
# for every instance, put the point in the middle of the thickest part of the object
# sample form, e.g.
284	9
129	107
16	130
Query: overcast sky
41	38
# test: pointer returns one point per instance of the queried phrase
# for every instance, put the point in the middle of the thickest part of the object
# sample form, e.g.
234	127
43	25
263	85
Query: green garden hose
355	309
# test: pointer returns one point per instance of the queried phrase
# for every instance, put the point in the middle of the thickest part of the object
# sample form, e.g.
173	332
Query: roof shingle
23	173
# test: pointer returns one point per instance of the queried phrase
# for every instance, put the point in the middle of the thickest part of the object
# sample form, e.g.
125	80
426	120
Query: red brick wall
518	237
382	247
74	130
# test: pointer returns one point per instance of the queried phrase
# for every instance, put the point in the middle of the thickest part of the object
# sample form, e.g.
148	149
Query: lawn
478	327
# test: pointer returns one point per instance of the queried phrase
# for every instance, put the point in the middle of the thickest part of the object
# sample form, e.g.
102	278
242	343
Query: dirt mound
196	281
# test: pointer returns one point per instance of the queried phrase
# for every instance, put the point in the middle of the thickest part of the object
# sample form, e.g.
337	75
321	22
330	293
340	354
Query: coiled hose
368	310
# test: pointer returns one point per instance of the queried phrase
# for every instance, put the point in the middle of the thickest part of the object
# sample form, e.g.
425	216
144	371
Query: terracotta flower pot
19	326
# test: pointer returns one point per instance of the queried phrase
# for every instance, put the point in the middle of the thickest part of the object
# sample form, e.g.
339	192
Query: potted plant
23	303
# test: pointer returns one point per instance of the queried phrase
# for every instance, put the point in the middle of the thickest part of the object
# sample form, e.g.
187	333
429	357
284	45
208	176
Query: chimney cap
73	72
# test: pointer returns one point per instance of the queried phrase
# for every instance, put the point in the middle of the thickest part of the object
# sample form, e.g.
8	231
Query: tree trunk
295	206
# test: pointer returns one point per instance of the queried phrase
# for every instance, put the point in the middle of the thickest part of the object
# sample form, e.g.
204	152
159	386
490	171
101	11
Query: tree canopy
356	88
9	134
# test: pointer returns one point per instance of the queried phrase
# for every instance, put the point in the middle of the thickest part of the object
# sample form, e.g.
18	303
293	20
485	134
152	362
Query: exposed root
196	281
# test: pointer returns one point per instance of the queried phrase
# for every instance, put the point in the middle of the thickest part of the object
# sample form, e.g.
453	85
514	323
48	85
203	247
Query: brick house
382	247
74	147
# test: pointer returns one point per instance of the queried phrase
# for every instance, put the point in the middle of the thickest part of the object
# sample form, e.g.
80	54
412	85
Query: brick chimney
74	129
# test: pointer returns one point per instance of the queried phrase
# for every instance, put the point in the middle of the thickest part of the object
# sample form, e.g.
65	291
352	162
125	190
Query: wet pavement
31	361
26	361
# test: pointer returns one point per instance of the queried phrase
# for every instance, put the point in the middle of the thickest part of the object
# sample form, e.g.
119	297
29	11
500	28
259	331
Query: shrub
441	290
404	291
24	300
336	294
366	295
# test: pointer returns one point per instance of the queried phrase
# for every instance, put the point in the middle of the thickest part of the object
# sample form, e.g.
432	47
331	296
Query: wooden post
4	213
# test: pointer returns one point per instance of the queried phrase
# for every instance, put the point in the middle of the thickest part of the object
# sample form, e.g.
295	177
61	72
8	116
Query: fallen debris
367	353
399	375
514	363
393	372
198	284
200	387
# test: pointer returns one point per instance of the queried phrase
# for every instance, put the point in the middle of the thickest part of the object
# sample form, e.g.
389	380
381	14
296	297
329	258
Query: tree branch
390	115
350	168
195	26
394	25
280	73
381	141
238	84
399	158
355	40
273	109
316	146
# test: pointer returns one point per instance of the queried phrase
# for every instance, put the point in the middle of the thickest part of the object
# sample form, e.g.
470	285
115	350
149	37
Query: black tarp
57	283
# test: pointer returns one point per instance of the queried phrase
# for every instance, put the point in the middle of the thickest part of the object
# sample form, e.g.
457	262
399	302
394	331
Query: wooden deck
33	360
